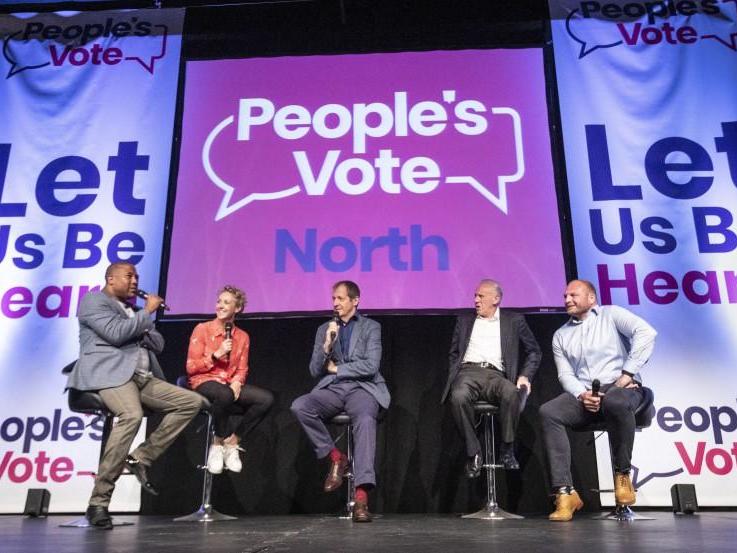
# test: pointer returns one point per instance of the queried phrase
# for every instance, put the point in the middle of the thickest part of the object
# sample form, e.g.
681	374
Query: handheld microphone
595	387
144	295
336	320
228	336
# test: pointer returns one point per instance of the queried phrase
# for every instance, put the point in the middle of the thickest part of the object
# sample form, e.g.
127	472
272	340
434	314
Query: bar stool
643	418
205	512
342	419
89	402
491	510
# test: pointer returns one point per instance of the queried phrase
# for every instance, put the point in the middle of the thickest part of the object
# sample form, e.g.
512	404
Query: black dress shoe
99	517
509	460
139	469
473	466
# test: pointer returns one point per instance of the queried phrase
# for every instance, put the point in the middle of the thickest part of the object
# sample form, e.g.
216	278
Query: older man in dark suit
346	358
117	357
484	358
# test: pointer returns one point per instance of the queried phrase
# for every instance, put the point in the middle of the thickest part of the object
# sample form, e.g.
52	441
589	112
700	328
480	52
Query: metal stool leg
621	513
206	512
491	510
350	500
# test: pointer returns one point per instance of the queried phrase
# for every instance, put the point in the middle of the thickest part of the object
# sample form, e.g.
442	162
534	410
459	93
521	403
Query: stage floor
706	531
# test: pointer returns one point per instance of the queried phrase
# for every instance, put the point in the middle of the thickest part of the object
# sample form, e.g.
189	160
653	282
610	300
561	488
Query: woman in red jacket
217	366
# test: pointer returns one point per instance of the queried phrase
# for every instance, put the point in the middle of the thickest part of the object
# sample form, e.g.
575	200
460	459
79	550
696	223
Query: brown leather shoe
334	479
565	505
361	513
624	492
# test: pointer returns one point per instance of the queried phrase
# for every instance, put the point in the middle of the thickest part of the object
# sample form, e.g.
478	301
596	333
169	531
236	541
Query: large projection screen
414	174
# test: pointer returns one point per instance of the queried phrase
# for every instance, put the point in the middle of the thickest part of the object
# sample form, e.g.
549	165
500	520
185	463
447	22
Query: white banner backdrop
87	107
649	117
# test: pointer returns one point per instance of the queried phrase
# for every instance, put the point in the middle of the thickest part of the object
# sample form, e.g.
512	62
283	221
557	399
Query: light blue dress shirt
606	342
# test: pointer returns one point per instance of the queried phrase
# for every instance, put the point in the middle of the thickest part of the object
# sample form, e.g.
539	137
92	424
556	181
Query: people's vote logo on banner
603	25
353	173
49	42
702	436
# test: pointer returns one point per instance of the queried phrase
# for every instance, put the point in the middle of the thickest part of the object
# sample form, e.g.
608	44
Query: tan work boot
624	492
565	505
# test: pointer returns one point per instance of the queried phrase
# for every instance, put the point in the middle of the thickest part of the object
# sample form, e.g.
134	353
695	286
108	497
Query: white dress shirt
485	344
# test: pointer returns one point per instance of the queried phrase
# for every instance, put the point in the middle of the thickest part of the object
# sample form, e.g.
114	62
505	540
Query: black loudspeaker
37	502
683	497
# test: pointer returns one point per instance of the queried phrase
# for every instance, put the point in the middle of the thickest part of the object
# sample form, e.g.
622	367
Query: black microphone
144	295
336	320
595	387
228	336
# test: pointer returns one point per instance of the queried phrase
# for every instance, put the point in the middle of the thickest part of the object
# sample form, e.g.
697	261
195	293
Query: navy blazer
514	332
360	363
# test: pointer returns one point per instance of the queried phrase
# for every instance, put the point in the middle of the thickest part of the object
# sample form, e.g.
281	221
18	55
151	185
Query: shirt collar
353	318
595	309
218	328
493	318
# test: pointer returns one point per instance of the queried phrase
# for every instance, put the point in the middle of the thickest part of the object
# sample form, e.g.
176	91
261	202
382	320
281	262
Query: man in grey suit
483	365
117	357
346	358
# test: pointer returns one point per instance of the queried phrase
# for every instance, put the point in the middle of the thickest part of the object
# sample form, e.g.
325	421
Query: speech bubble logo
149	66
595	28
638	482
731	43
15	66
226	207
137	51
726	21
500	201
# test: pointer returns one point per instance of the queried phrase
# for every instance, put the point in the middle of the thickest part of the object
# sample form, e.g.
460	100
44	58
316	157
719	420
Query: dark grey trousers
313	409
618	408
487	384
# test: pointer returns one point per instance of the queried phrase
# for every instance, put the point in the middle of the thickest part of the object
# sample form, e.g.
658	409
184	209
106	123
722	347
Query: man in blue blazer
117	357
346	358
483	365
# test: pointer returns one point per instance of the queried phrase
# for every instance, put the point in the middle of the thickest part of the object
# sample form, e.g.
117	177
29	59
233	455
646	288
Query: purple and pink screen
413	174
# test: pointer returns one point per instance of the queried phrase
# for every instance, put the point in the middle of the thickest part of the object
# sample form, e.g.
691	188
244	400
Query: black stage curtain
419	457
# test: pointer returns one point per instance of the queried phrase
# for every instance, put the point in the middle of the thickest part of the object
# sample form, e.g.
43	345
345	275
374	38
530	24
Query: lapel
115	303
465	337
504	331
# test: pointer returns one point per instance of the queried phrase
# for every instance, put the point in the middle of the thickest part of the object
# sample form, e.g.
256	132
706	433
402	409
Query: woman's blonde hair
238	294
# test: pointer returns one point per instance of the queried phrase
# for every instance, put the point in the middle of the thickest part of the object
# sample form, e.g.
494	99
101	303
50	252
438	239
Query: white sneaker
215	459
232	458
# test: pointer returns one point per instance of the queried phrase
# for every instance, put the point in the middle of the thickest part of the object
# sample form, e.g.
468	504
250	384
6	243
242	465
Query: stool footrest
85	523
205	514
622	513
492	512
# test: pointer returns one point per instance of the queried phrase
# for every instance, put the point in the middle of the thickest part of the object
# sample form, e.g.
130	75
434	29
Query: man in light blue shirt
604	343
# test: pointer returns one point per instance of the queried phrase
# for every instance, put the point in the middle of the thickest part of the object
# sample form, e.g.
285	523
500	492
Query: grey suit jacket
109	342
514	331
360	363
